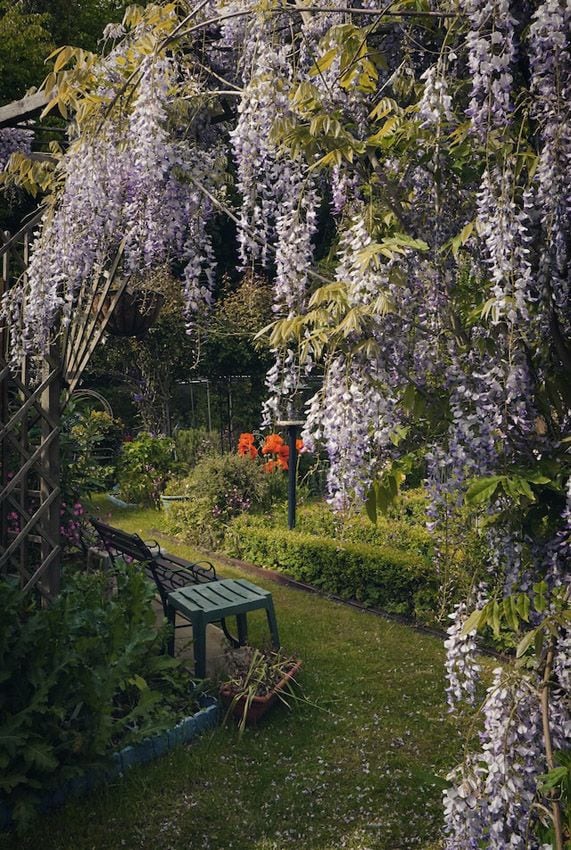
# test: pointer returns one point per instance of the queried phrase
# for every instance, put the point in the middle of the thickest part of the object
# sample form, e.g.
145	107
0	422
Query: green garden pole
292	425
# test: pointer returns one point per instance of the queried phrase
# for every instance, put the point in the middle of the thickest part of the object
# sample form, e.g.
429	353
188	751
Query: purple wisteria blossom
14	140
491	52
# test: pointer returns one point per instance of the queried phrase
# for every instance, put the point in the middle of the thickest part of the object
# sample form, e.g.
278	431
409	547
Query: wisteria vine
406	188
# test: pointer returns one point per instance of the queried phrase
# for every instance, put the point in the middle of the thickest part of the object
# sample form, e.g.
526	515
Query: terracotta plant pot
258	706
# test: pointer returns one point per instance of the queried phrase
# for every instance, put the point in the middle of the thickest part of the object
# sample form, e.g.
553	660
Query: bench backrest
119	542
168	573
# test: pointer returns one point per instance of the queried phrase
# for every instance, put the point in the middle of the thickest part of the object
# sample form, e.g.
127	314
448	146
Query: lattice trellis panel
30	495
30	414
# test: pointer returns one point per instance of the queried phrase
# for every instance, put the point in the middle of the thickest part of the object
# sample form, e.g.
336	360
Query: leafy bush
219	489
458	552
90	444
319	519
376	575
192	444
144	467
192	521
78	678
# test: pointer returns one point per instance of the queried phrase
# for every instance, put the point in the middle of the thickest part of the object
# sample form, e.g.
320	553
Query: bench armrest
153	545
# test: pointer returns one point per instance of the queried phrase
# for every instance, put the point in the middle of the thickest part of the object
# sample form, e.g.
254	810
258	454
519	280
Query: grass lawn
360	766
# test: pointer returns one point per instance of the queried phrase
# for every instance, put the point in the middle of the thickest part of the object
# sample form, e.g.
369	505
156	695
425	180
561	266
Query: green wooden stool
213	601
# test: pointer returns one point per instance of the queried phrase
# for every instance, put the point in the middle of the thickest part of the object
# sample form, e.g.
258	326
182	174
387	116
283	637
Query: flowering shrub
246	446
218	489
71	524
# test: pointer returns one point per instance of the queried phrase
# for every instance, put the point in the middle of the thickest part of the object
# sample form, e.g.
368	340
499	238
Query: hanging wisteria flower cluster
14	140
130	190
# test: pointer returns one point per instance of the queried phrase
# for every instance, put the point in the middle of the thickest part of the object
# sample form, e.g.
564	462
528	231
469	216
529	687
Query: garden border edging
147	750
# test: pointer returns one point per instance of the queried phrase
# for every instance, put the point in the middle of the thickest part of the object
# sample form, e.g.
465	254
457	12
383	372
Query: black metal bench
168	572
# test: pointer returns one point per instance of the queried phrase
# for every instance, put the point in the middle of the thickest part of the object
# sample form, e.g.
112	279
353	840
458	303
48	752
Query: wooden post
51	402
4	408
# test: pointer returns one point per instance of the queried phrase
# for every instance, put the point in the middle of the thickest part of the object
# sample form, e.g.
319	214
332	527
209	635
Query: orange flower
299	445
272	444
270	466
246	445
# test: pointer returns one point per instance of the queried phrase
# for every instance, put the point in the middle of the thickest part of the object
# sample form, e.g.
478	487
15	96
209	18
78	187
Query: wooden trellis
31	403
30	494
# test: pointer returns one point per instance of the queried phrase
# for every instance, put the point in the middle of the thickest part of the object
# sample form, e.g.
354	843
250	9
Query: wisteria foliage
404	182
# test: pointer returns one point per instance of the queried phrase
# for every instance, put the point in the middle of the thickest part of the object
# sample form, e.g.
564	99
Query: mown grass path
359	766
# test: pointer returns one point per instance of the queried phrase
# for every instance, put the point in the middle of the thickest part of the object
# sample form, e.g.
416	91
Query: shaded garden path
359	766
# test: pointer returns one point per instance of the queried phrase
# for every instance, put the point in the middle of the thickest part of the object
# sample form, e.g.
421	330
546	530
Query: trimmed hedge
321	520
383	576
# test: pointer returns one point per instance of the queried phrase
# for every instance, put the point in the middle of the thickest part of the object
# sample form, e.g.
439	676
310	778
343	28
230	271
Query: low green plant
219	489
145	465
84	675
192	522
90	444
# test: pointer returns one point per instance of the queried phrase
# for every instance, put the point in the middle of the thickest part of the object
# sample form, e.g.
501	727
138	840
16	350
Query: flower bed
140	753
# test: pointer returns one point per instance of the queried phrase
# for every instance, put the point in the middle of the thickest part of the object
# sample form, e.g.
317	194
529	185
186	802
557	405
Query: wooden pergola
31	403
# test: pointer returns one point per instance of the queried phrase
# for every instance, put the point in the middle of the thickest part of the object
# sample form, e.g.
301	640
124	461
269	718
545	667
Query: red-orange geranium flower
270	466
246	445
299	445
272	444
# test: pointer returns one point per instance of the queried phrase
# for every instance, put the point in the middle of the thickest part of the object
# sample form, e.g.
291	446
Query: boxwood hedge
398	581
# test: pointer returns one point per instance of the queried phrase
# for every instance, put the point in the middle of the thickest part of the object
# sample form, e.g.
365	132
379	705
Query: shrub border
149	749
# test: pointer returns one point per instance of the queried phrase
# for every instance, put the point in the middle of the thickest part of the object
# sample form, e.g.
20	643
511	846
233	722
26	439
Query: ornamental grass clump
254	676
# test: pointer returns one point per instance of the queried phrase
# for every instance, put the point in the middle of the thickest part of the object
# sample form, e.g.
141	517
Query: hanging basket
135	312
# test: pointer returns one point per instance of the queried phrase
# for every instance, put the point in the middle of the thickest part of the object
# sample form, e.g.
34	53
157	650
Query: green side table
213	601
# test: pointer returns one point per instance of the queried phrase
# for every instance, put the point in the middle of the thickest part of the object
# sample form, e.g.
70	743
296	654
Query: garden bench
191	590
168	572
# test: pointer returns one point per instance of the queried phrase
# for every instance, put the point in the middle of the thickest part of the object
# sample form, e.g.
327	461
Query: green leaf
495	620
539	600
41	755
523	605
475	621
324	62
516	486
482	490
525	643
555	777
510	613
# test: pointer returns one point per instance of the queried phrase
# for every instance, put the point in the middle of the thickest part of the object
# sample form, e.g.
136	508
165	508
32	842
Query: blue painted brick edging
145	751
